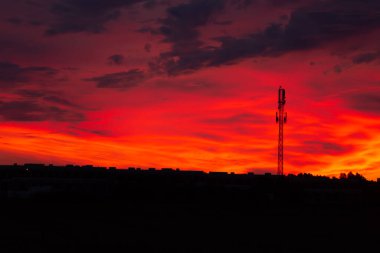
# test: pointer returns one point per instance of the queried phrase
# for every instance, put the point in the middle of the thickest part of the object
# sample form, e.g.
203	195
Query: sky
191	84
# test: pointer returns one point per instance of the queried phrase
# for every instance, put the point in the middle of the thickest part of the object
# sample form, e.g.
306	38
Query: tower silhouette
281	118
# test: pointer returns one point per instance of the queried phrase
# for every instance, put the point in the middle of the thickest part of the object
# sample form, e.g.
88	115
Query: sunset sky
191	84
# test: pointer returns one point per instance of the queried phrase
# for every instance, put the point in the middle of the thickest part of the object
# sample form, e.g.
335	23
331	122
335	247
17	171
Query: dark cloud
323	147
81	131
246	3
180	28
32	111
11	74
12	45
116	59
41	105
31	93
151	4
309	27
365	58
180	25
123	80
365	102
73	16
53	97
59	101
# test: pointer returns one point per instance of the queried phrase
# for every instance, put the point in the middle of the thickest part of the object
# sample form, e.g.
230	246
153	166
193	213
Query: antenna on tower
281	119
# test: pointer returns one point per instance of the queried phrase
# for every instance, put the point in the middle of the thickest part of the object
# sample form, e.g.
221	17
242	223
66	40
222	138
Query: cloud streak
309	27
76	16
121	80
25	110
365	102
12	74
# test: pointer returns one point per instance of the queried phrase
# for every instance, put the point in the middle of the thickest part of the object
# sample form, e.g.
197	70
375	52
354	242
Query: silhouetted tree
355	177
352	177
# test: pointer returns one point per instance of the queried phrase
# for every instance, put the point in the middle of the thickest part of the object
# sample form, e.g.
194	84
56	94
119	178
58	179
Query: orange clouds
237	153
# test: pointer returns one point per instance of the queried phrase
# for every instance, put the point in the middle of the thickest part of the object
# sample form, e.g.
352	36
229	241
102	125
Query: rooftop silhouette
81	182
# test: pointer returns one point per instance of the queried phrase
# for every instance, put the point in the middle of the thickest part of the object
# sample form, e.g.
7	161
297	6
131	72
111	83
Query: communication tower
281	118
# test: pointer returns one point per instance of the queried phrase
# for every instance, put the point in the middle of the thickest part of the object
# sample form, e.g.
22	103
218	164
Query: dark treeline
85	209
37	181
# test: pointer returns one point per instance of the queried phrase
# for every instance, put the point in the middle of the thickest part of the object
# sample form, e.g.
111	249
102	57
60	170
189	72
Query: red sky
191	84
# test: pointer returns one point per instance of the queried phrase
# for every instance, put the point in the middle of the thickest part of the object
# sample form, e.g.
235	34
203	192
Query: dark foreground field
187	213
171	227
